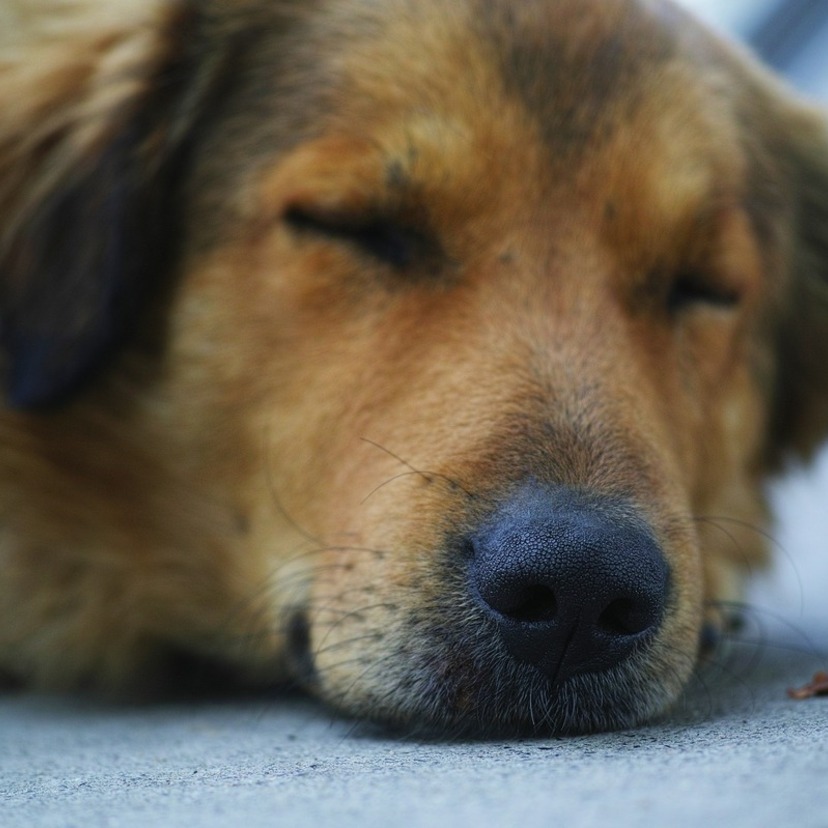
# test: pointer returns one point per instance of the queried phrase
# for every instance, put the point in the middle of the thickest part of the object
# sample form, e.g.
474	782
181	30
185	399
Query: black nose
575	583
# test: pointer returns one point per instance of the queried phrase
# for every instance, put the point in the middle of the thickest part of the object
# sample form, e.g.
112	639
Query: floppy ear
94	113
802	398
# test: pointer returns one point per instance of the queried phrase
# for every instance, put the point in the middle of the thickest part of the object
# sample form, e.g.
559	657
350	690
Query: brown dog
432	354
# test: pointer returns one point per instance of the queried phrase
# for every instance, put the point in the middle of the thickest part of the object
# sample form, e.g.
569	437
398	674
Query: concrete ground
736	751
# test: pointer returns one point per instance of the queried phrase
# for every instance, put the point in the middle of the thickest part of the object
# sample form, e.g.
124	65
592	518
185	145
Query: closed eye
695	289
384	240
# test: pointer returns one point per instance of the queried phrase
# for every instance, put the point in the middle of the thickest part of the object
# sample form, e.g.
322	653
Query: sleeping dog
431	355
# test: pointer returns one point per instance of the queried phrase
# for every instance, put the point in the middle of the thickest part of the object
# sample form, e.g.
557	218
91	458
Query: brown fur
241	431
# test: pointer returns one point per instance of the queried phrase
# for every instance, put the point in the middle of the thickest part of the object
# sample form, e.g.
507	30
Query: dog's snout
574	583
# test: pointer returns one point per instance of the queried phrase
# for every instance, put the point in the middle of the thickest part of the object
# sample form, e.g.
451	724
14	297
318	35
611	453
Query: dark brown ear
802	400
95	110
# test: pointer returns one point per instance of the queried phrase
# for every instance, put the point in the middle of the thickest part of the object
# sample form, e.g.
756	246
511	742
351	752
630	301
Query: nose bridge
581	385
565	297
544	307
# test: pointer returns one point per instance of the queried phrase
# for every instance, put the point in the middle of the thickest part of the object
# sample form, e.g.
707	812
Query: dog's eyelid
384	238
693	288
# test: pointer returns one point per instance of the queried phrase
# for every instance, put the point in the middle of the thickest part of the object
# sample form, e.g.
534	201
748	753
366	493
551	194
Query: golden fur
294	294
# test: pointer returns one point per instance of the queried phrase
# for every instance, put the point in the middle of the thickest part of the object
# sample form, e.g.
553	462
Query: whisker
277	500
250	621
428	476
717	520
389	481
377	635
757	615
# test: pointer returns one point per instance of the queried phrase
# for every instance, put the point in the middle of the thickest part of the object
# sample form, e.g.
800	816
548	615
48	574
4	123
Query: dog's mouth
554	619
461	681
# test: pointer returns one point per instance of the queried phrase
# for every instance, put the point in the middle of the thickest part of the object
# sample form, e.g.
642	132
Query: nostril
572	583
626	617
536	604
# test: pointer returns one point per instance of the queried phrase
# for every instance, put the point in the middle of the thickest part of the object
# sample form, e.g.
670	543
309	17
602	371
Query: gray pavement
735	752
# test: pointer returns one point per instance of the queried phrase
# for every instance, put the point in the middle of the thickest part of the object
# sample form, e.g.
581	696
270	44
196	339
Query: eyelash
399	247
695	288
382	239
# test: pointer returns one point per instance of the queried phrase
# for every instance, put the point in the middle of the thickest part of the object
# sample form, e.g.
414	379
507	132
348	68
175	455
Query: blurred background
792	37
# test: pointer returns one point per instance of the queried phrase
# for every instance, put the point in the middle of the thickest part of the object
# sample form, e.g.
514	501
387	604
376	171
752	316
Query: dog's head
495	314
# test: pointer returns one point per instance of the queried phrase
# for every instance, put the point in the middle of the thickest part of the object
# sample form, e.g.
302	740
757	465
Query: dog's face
481	327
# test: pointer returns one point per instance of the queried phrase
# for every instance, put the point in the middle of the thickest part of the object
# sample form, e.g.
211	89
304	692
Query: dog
431	356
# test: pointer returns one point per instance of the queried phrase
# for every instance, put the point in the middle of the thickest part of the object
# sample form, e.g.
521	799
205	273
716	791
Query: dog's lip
457	684
474	699
300	659
709	639
536	707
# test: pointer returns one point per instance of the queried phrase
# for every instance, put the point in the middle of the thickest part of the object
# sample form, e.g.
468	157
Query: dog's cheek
730	506
377	585
359	600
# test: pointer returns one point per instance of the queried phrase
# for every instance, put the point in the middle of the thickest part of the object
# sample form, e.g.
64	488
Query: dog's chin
452	689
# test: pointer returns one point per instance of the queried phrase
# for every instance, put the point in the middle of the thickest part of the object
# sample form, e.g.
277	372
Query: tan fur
289	430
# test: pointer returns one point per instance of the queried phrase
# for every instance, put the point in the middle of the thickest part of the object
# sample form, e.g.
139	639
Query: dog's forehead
572	76
593	84
572	62
578	66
